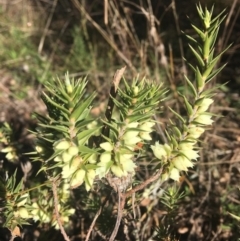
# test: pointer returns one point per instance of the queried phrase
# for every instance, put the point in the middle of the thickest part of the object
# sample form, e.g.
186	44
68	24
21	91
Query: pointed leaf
85	149
78	111
58	128
199	78
188	106
198	57
199	32
214	73
206	48
191	86
83	136
83	123
55	104
177	115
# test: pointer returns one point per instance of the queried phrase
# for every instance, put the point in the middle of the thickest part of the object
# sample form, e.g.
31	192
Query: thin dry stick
121	203
55	198
129	25
113	93
50	59
105	132
227	30
104	34
6	2
122	199
106	12
95	218
184	69
40	46
144	184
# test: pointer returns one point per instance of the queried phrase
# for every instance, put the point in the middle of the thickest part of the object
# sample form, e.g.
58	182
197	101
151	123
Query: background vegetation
43	39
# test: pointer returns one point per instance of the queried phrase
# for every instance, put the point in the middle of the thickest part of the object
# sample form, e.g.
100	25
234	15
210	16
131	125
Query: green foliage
178	154
80	55
74	149
15	202
63	135
18	52
135	107
7	142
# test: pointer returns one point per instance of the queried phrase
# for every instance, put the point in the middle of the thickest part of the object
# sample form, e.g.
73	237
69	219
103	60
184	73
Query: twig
95	218
122	199
113	93
121	203
144	184
55	198
184	68
228	29
106	12
40	46
104	34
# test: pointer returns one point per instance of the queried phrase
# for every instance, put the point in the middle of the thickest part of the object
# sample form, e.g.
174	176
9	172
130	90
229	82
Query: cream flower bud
132	141
125	157
204	119
102	170
145	136
10	156
158	150
23	213
105	157
129	166
130	134
66	187
58	159
73	150
147	126
69	88
90	175
92	159
195	131
127	163
132	125
44	217
135	90
39	149
204	105
7	149
78	178
68	169
66	157
106	146
174	174
190	154
116	170
182	163
34	212
62	145
186	145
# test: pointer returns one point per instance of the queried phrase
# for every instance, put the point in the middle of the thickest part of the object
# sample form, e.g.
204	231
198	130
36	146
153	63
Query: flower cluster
136	106
21	211
180	153
73	165
16	202
43	208
62	136
6	142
